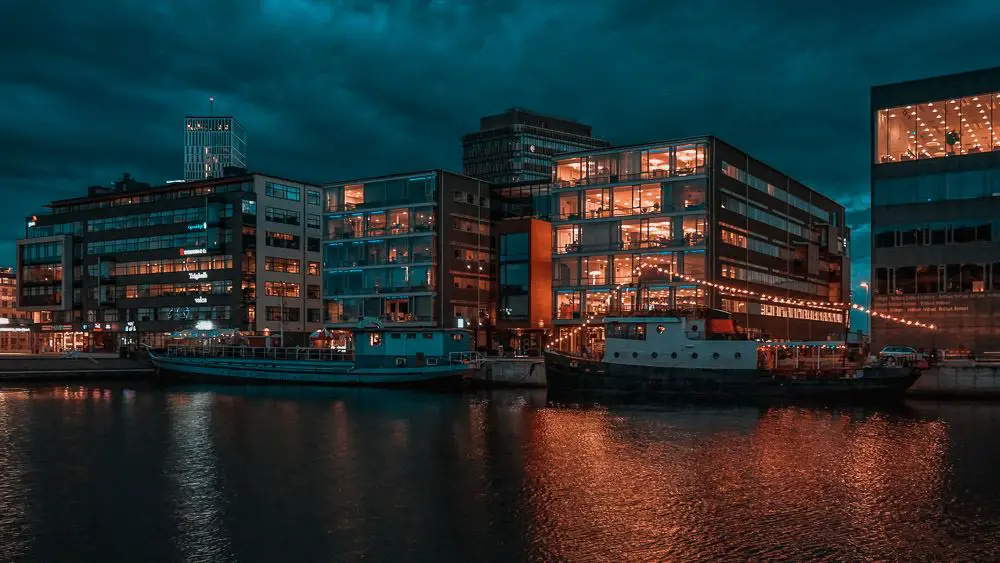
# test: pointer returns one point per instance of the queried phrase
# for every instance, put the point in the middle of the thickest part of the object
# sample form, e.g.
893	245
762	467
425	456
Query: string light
888	317
835	306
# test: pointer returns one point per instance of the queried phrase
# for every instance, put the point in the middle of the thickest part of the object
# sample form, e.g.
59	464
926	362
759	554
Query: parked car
893	355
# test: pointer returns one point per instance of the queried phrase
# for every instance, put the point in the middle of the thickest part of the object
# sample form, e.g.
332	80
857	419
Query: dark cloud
331	89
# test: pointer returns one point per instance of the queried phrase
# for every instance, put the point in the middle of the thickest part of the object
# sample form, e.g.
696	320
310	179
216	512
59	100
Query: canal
118	473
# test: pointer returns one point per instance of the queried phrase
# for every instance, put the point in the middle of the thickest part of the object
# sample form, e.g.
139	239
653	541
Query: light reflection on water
265	474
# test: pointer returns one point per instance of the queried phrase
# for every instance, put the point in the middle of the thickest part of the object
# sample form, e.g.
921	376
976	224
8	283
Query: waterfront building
411	249
935	190
134	263
212	144
15	325
517	146
647	226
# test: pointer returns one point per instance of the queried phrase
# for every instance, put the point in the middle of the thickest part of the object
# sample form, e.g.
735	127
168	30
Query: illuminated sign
198	226
4	321
201	299
14	329
198	275
31	224
130	326
193	251
204	325
786	312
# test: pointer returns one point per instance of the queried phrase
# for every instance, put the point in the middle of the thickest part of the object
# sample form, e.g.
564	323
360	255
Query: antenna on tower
211	106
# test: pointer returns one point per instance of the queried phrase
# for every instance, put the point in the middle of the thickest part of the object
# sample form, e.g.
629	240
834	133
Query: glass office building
518	145
935	201
212	144
629	222
411	249
134	263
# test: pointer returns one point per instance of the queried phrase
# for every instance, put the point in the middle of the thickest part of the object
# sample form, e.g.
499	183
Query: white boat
698	352
381	357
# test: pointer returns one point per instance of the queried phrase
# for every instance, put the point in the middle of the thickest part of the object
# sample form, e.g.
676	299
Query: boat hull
567	373
305	372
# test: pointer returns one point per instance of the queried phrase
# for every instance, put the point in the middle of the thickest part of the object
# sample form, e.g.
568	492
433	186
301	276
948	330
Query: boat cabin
377	346
708	339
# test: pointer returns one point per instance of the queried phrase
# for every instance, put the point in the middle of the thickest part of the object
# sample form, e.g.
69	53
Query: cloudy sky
332	89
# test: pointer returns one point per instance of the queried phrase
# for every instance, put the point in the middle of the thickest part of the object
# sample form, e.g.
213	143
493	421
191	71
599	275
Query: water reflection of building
935	181
699	208
653	489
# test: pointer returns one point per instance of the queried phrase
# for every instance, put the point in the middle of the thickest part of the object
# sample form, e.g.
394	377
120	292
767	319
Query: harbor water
204	473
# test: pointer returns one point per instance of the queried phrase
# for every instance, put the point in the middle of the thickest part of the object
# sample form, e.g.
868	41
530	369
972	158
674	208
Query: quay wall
48	367
959	381
511	372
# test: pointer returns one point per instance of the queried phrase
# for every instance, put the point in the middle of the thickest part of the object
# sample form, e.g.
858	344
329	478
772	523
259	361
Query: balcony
398	202
659	174
635	244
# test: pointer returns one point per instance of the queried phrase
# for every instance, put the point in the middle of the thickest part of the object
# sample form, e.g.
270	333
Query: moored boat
381	357
697	352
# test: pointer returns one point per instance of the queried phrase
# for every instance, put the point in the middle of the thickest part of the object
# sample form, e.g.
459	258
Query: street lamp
868	306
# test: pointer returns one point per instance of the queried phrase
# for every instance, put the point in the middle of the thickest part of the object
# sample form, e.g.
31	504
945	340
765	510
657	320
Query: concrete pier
959	381
511	372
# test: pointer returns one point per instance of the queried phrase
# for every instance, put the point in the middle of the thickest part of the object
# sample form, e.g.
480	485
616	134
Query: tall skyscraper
517	146
211	144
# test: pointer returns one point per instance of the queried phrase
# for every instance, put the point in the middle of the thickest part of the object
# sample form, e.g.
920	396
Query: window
249	207
312	244
312	291
312	197
286	216
282	240
276	289
313	268
313	221
313	315
277	314
281	191
287	265
514	246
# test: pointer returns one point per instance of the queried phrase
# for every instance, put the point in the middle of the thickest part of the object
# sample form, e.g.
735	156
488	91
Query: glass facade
968	184
382	193
937	128
515	277
211	144
623	215
380	250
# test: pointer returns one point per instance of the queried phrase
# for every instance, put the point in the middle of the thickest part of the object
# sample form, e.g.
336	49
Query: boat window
411	335
673	355
456	337
627	331
654	354
400	362
660	328
428	335
715	356
635	354
375	339
396	335
738	355
694	356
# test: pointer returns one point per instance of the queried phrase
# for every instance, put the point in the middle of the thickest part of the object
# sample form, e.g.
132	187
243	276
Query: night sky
332	90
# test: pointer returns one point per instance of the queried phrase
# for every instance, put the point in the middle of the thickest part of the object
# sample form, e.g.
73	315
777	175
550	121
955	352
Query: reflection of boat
382	356
697	352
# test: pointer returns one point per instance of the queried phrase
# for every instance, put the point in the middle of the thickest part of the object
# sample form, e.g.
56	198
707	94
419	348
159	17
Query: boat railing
468	358
247	352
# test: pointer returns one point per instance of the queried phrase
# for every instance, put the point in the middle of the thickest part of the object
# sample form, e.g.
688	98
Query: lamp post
868	306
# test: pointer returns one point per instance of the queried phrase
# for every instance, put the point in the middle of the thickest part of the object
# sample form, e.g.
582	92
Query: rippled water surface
291	474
